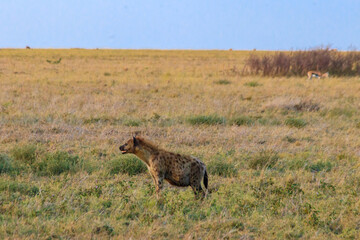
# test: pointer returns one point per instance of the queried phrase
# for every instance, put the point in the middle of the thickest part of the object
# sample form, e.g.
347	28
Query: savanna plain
282	152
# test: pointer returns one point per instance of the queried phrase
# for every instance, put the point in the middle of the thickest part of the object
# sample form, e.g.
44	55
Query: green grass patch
22	188
222	82
6	164
99	119
294	163
289	139
223	169
107	229
338	112
222	166
295	122
263	159
25	154
268	121
252	84
320	166
206	120
127	164
132	123
53	61
58	163
242	120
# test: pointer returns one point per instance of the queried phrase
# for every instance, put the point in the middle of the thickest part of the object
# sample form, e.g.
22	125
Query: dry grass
83	106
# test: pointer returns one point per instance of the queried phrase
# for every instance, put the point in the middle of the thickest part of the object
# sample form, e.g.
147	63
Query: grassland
283	153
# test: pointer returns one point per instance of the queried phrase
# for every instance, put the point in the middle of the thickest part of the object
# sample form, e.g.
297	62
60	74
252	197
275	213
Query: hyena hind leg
198	191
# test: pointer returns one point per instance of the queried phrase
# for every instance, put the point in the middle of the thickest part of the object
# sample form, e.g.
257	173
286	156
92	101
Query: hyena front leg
153	178
158	184
158	178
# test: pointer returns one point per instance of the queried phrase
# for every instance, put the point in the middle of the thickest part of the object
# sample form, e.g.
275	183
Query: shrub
127	164
6	164
242	120
25	154
221	168
264	159
295	122
57	163
206	120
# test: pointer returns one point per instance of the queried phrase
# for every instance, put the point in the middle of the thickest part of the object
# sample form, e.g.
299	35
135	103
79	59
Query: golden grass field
283	153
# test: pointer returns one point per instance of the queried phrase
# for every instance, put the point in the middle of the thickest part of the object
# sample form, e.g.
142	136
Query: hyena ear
136	142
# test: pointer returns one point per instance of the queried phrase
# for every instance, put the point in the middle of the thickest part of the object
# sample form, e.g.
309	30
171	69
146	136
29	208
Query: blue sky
180	24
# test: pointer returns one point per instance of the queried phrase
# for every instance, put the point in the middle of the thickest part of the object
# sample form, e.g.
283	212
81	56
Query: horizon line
178	49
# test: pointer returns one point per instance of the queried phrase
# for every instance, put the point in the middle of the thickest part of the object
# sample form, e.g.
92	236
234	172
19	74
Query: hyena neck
145	151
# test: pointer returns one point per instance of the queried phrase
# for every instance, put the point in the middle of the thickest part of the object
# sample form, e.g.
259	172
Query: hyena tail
206	180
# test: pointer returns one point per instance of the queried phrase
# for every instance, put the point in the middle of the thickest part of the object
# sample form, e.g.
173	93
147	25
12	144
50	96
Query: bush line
298	63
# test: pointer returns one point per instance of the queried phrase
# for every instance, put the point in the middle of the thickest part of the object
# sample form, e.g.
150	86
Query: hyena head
129	146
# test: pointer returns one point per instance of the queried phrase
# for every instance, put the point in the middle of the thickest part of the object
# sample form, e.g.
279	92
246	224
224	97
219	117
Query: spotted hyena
178	170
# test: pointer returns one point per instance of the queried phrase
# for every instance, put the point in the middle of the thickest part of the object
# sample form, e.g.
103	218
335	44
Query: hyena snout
122	149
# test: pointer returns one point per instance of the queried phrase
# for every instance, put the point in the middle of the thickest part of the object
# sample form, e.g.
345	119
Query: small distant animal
27	47
179	170
317	74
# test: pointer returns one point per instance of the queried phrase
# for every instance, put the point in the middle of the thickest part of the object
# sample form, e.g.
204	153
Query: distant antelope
317	74
27	47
